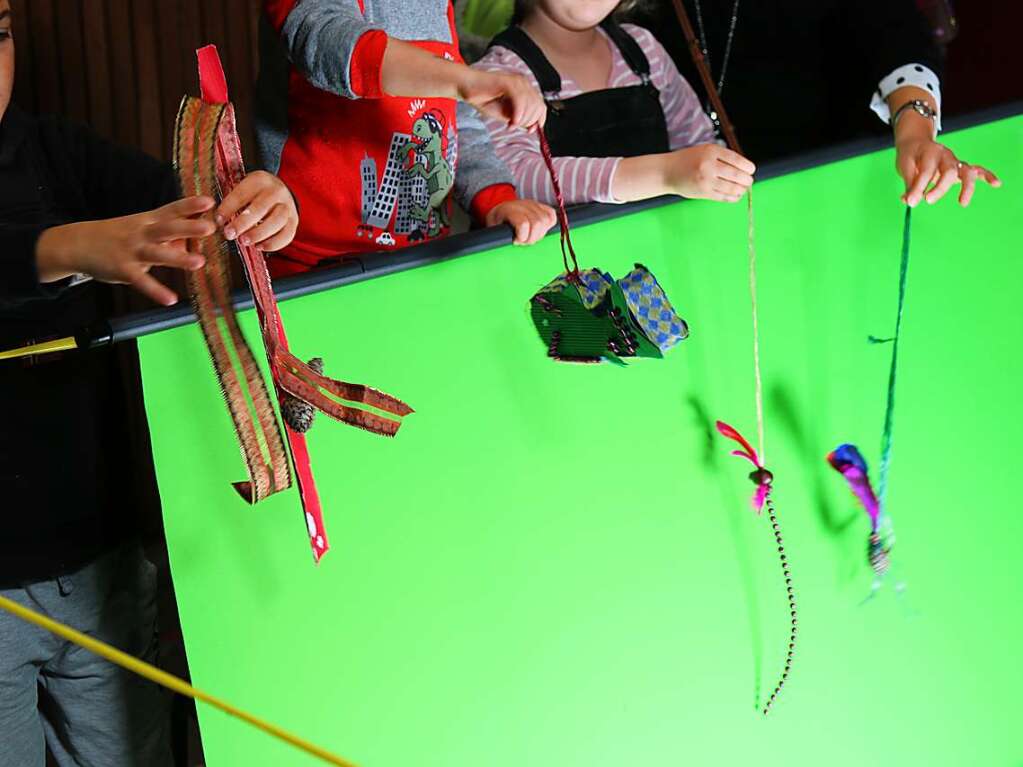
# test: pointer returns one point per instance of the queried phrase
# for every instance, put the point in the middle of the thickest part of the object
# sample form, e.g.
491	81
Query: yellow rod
49	347
164	679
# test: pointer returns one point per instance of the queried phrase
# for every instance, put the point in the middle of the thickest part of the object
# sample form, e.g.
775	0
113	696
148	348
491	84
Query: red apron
368	174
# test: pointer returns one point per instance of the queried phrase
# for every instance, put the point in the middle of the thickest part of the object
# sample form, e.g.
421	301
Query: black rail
369	266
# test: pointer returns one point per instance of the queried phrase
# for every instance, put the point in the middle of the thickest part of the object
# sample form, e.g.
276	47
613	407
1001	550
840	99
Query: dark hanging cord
792	604
566	238
889	411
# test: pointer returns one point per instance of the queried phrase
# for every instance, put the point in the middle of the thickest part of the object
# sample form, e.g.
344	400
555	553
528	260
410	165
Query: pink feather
749	454
760	497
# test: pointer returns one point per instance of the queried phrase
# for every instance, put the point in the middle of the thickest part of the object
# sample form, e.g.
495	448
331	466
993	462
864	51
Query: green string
886	437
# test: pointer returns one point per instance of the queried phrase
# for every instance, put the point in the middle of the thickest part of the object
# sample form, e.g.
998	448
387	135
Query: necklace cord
706	77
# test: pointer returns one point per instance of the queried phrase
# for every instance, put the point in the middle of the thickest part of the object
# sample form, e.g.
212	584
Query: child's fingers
149	286
720	197
521	231
731	173
525	111
274	221
165	255
250	215
550	218
729	189
177	228
540	229
240	197
279	241
949	176
536	229
186	207
542	120
736	160
539	116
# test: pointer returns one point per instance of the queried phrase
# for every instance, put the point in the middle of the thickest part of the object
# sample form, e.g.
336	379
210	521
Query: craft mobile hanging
761	477
208	158
587	316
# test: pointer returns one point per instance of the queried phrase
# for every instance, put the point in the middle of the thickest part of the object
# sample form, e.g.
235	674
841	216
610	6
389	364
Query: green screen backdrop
558	566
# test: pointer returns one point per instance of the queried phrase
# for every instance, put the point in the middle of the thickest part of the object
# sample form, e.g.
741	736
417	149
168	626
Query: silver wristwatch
919	106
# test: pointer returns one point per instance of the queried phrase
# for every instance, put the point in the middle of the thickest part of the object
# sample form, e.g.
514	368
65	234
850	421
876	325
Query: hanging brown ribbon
207	155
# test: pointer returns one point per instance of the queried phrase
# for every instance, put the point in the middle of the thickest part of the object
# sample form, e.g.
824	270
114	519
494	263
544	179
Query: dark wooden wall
122	66
985	65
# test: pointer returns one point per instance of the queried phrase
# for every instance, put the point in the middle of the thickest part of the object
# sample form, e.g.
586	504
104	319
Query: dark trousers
54	694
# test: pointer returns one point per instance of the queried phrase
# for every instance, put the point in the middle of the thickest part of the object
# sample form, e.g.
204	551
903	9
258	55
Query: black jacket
75	465
801	72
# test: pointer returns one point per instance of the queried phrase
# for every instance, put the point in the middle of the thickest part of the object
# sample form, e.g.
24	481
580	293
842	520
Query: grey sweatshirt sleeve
320	37
478	164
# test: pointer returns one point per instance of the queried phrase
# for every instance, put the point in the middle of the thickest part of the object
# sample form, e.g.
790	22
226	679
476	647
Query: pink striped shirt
590	179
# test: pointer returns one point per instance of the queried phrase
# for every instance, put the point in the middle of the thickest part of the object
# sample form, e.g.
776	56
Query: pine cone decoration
297	413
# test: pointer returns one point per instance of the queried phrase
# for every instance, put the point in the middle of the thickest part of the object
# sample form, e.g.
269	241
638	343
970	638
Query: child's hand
709	172
123	250
268	219
922	161
531	220
510	98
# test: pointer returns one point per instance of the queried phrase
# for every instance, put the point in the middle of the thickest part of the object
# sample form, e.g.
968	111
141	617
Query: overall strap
521	44
630	49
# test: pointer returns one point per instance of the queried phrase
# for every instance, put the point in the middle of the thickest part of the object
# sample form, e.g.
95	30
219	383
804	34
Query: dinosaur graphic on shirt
427	148
417	180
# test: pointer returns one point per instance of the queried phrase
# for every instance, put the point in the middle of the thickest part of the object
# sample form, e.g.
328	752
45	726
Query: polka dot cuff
911	74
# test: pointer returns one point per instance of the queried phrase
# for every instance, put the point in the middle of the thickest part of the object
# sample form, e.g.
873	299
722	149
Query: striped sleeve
688	124
583	179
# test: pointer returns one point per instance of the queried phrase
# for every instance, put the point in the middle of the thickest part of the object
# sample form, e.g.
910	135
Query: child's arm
484	187
583	179
259	211
123	250
338	51
697	167
705	171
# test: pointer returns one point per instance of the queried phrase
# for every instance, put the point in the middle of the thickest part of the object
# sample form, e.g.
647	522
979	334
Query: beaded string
762	478
764	481
792	605
567	250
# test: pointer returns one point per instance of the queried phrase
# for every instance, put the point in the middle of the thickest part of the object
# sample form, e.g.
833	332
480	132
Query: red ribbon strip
214	116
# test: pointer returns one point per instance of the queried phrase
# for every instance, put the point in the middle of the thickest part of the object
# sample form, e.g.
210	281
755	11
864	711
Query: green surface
550	565
487	17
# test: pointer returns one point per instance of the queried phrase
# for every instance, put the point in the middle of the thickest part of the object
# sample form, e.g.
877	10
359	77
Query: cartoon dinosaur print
426	147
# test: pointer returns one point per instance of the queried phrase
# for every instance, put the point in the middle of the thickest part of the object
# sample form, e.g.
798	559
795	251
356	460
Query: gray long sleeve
478	165
320	37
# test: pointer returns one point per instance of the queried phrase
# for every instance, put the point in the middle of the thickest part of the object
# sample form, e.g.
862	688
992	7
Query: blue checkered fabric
651	309
594	287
